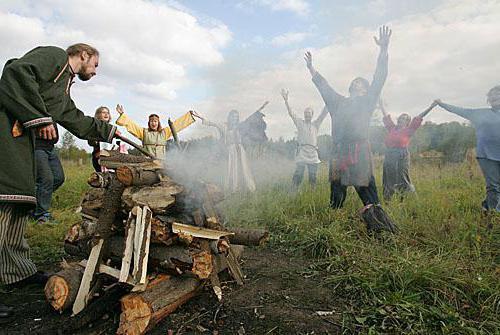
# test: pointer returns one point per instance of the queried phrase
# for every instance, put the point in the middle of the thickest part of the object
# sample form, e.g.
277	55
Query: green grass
440	275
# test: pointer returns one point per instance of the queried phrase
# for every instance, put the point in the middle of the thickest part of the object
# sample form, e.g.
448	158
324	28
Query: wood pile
158	239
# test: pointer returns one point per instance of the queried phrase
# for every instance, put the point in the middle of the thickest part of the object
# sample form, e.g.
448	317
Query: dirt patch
279	297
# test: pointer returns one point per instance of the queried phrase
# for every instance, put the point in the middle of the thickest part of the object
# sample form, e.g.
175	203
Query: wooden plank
200	232
110	271
129	248
147	215
234	267
82	295
138	235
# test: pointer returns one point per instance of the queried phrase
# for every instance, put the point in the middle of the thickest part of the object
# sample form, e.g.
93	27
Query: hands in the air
47	132
384	36
119	109
284	94
309	60
193	113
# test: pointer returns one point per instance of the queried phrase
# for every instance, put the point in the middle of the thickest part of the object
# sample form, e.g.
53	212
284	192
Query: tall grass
439	275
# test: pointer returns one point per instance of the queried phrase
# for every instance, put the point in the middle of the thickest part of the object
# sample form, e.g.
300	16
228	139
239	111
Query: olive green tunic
35	90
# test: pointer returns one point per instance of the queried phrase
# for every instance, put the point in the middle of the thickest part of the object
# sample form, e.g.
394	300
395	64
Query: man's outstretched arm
328	94
381	70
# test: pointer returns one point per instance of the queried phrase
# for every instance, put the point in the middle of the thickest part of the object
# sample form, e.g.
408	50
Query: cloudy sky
167	57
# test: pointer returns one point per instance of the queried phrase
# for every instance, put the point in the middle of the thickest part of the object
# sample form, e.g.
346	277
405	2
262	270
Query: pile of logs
143	231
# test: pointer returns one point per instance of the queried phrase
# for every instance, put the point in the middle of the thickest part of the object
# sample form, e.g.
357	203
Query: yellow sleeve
131	126
181	123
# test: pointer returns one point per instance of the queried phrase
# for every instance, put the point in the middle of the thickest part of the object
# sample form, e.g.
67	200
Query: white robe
239	176
307	137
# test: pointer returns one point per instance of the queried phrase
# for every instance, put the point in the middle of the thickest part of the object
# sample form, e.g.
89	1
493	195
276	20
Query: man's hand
309	60
47	132
119	109
284	94
384	36
117	133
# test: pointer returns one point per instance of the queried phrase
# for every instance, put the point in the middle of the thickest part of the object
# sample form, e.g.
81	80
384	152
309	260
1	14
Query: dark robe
35	91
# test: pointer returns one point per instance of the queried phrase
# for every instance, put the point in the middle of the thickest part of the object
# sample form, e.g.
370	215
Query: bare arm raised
284	94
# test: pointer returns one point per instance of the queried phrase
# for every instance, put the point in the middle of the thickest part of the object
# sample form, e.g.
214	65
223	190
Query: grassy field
439	275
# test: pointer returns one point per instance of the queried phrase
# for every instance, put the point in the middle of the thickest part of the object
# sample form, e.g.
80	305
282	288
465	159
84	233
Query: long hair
99	111
159	123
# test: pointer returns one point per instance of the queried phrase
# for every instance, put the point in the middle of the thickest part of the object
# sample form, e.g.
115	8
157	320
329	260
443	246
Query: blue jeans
491	172
49	176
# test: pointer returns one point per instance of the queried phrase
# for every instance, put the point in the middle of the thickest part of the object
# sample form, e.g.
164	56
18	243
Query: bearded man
34	95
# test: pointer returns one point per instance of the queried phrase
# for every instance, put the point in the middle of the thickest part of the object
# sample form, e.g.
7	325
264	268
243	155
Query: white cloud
146	47
299	7
288	38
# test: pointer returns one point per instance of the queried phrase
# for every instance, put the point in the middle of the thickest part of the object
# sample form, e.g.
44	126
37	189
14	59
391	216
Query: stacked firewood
142	230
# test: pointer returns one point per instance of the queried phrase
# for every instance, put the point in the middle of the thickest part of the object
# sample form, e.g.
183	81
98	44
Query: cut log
210	234
173	259
99	179
136	176
92	202
161	233
111	206
114	159
248	236
62	287
158	198
142	311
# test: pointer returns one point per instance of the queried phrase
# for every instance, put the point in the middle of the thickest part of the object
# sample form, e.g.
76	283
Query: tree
68	141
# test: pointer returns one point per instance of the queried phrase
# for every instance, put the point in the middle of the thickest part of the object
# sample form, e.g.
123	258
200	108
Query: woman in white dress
239	176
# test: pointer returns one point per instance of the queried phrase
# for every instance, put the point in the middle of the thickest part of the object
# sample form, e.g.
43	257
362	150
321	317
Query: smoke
206	160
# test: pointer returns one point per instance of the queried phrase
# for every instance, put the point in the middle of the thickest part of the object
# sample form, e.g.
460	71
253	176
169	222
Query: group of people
35	97
351	162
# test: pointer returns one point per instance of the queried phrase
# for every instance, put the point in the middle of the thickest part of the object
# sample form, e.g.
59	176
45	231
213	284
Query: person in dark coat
351	163
35	94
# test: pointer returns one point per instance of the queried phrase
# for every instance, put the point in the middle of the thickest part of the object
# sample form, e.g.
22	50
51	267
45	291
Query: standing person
396	175
351	163
49	176
102	113
307	136
35	94
239	175
154	137
486	121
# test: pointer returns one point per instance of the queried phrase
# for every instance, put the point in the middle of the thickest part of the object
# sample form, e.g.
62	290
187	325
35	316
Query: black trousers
298	175
367	194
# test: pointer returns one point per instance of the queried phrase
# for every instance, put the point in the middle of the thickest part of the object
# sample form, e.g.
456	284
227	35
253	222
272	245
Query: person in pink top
396	176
